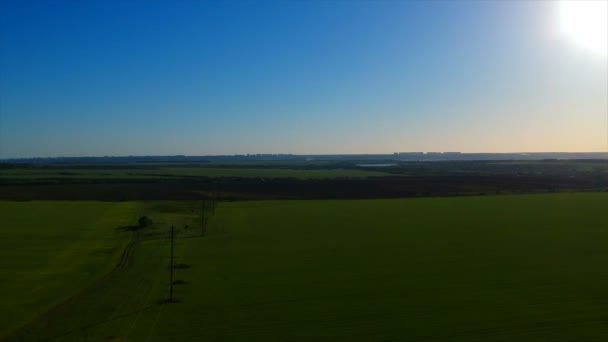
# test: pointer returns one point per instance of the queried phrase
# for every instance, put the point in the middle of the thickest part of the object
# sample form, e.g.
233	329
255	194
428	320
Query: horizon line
301	155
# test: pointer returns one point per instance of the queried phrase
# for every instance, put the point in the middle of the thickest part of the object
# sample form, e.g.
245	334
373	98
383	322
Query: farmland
295	180
482	268
50	250
304	171
168	171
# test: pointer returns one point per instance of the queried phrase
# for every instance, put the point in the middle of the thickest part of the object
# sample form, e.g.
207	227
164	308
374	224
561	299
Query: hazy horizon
301	154
223	78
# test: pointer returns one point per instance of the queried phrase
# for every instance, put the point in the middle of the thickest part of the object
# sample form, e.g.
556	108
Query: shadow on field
181	266
169	301
129	228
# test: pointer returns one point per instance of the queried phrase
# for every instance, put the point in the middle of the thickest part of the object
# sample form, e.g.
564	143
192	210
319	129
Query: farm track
127	255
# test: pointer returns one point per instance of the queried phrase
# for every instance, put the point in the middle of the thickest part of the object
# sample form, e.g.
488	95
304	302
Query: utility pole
171	267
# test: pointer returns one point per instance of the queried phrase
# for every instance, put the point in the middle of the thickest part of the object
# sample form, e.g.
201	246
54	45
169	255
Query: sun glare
586	22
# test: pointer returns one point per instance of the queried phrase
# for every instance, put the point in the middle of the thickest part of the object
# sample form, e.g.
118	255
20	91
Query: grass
489	268
510	268
49	251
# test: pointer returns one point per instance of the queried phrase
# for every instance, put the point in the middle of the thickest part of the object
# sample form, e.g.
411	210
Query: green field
488	268
168	172
51	250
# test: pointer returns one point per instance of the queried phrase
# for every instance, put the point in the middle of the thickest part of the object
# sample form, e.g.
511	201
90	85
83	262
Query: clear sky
202	77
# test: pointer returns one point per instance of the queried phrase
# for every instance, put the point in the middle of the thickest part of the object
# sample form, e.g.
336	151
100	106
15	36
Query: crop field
50	250
163	172
295	180
486	268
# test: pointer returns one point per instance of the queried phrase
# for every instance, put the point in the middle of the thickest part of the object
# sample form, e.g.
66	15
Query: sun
586	22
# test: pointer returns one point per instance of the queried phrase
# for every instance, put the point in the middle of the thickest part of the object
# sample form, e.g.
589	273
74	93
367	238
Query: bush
144	222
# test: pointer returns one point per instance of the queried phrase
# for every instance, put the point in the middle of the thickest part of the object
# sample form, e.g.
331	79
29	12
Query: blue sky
189	77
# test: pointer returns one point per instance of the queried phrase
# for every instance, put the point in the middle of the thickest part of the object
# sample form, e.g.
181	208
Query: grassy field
21	175
488	268
49	251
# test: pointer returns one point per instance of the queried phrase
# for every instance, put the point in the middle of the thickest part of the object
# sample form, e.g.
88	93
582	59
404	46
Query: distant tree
144	222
